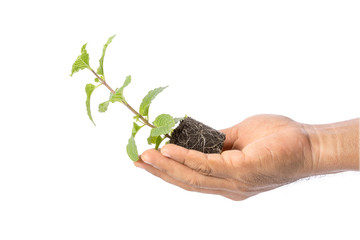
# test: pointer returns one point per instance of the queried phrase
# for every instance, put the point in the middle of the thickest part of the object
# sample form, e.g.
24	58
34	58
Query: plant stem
102	81
138	114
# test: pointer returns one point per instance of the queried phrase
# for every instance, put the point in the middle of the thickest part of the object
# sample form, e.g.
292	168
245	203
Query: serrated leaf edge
80	59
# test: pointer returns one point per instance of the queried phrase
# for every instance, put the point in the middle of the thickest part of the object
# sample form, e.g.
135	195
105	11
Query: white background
63	178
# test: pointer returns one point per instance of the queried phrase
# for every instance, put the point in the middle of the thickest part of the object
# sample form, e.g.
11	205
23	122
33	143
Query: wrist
335	147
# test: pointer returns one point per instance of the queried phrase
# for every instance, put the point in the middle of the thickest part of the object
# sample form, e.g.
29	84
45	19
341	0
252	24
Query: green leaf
135	129
119	95
89	88
103	106
178	119
160	131
137	117
81	62
100	70
155	140
164	120
145	104
164	124
159	139
151	140
131	149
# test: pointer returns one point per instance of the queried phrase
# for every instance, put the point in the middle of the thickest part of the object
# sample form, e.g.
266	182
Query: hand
261	153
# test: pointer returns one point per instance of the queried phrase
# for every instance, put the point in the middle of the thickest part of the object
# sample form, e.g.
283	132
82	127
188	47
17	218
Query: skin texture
261	153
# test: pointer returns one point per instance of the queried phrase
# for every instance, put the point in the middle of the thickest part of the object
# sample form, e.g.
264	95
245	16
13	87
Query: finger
231	137
185	174
218	165
156	172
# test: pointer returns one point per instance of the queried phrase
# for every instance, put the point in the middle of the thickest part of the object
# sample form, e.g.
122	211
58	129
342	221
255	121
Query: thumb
231	136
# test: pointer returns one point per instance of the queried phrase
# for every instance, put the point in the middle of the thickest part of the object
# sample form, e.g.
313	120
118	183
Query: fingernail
144	158
164	153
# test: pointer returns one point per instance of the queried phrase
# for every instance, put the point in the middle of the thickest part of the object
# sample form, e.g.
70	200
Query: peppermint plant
161	127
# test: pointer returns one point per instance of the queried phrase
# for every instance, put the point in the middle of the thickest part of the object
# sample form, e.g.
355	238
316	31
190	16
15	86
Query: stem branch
102	81
138	114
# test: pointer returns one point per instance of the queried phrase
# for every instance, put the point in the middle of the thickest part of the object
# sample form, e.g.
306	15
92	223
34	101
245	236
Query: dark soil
195	135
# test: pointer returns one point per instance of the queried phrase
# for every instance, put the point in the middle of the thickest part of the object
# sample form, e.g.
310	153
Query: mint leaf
89	88
155	140
159	139
164	120
163	123
119	96
81	62
160	131
100	70
151	140
178	119
103	106
135	129
136	118
145	104
131	149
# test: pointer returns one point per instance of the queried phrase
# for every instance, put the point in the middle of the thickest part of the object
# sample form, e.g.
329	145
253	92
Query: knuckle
232	161
193	181
198	162
240	187
204	169
202	166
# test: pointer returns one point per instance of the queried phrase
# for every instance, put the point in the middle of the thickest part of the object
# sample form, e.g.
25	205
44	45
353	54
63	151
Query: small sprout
163	124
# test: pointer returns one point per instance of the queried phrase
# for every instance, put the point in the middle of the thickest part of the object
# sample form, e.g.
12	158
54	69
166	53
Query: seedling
190	133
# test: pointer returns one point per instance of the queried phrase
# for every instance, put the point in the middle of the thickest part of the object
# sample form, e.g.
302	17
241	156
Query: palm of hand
276	151
261	153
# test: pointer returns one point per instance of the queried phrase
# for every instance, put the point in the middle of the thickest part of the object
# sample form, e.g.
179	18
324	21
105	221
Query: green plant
161	127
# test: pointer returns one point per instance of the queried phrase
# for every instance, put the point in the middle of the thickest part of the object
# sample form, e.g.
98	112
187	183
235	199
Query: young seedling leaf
155	140
136	118
131	149
160	131
103	106
164	120
145	104
178	119
119	95
126	82
164	124
100	69
159	139
135	129
81	62
89	88
151	140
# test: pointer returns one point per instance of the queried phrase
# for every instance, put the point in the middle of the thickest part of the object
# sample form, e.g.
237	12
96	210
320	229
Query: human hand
261	153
